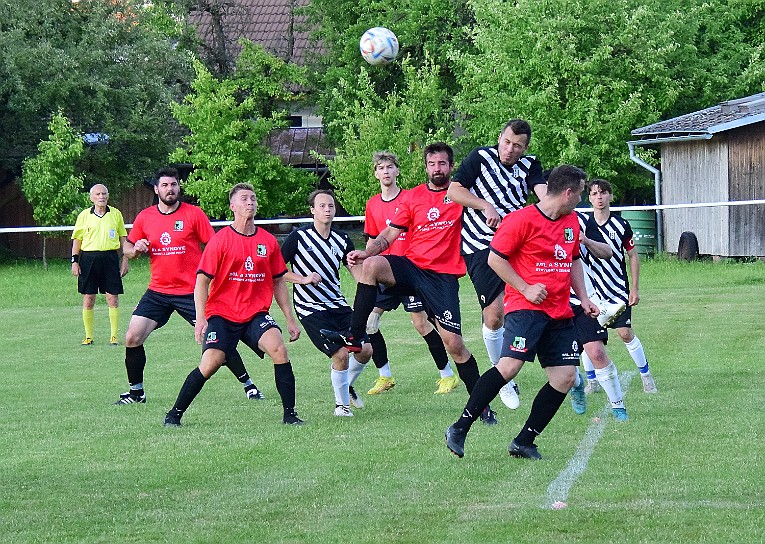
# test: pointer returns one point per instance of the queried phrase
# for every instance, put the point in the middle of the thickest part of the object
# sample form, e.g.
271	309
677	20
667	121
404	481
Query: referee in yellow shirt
96	243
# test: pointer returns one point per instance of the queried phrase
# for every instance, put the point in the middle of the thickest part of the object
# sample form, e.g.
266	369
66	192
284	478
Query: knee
492	317
365	354
626	335
279	355
133	338
421	324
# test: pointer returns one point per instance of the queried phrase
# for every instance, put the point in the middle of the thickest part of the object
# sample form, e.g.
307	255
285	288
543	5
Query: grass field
689	466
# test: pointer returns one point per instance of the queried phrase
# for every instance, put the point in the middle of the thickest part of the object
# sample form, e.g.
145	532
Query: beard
169	199
439	180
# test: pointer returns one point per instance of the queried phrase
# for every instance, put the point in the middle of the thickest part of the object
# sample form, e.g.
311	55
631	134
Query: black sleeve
469	169
535	176
289	247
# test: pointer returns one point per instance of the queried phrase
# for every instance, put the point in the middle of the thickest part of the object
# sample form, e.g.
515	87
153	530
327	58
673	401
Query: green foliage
229	120
403	121
106	66
585	73
49	181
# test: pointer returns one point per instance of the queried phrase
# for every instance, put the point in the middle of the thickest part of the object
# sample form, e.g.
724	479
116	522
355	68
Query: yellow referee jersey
99	233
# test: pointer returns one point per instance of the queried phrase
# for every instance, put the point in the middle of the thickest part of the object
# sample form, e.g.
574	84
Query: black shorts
335	319
99	273
159	307
389	302
224	335
488	286
530	333
624	320
587	328
440	293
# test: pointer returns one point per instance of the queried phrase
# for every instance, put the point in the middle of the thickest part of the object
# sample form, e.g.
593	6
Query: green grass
687	467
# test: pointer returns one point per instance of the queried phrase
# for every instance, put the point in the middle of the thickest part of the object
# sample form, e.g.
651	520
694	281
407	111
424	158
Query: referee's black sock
194	383
544	407
483	393
285	385
437	349
468	373
379	349
135	362
363	304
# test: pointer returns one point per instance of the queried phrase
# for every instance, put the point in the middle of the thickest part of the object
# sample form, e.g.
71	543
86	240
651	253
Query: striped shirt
308	252
609	276
506	188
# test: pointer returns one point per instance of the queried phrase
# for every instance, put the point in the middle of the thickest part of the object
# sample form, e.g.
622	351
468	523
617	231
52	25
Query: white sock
638	355
385	370
447	371
589	368
354	369
608	378
493	341
340	385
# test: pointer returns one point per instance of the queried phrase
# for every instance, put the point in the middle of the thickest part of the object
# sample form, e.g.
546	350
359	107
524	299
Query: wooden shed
709	156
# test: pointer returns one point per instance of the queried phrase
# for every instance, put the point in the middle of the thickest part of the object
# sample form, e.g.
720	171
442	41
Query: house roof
270	23
706	123
294	145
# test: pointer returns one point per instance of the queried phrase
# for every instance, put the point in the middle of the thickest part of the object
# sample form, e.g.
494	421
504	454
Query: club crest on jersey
433	214
447	200
560	253
261	250
612	235
248	264
178	226
335	251
165	239
519	344
212	338
568	234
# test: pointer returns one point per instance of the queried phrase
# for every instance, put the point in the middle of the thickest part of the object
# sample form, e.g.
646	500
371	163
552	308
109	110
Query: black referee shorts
99	273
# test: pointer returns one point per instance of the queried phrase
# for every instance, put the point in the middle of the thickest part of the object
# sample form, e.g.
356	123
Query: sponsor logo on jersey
248	264
568	234
178	225
560	253
433	214
165	239
447	315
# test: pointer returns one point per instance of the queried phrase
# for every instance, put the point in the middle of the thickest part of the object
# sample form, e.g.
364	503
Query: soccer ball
378	45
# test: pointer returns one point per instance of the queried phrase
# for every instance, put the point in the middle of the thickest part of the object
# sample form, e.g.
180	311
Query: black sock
285	385
379	349
235	364
486	388
194	383
437	349
544	407
135	362
468	373
363	304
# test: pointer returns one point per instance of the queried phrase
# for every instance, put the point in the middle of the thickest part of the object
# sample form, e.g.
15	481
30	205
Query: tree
107	66
228	121
49	181
403	121
585	73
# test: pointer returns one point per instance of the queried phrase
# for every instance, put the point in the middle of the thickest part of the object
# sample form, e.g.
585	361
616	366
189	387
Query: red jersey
378	216
540	250
175	246
433	222
242	269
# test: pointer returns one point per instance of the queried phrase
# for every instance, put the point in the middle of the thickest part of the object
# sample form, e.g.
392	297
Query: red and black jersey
378	216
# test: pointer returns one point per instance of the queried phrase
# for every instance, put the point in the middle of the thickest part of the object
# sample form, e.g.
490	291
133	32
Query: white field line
558	489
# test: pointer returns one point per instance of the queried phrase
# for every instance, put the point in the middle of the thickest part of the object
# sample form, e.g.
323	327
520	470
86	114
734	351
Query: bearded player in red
172	233
241	270
430	267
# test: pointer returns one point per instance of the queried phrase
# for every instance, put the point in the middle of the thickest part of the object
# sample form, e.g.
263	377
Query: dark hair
603	184
518	126
167	172
312	197
239	187
564	177
438	147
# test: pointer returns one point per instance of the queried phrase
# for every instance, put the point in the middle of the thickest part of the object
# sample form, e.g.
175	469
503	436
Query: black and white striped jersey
584	256
308	252
609	276
506	188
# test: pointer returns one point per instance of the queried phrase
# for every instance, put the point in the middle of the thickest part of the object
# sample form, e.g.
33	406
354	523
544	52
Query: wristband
75	258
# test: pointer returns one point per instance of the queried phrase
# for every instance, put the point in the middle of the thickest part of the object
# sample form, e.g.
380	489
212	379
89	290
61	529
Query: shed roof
294	146
705	123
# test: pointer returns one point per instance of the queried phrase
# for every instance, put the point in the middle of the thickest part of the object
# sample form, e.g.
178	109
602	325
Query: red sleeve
370	225
506	239
403	216
278	266
204	228
137	232
208	264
